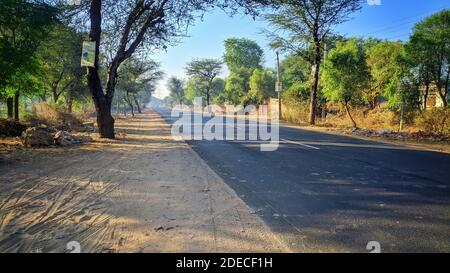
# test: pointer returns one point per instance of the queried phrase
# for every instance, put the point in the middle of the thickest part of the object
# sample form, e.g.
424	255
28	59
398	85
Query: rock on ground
37	137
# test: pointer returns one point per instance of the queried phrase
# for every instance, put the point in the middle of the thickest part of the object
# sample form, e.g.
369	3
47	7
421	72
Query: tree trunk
130	104
443	98
55	94
10	106
69	103
315	83
105	121
350	115
425	97
324	111
138	106
207	98
446	86
16	105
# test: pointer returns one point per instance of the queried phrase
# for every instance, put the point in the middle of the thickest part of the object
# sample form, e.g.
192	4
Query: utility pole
278	85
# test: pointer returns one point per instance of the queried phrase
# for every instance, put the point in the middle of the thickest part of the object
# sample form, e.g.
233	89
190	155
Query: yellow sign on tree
88	54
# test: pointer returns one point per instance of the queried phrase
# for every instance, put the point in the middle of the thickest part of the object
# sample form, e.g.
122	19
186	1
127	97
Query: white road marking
299	143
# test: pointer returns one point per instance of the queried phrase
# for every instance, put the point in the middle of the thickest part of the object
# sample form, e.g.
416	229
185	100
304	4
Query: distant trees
242	53
137	76
307	24
204	71
176	88
242	56
262	83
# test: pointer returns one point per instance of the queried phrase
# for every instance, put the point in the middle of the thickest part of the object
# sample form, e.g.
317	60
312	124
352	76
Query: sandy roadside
142	193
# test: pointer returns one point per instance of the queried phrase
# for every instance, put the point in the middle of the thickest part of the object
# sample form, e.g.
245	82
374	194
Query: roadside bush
295	106
435	121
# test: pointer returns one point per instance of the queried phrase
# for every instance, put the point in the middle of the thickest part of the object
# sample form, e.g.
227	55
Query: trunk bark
10	106
16	105
69	103
207	98
315	83
446	86
425	97
138	106
350	115
105	121
130	104
55	94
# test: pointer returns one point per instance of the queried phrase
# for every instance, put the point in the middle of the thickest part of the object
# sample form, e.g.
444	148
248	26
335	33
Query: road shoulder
143	192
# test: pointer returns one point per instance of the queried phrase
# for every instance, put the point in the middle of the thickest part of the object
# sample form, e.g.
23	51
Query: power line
398	36
401	22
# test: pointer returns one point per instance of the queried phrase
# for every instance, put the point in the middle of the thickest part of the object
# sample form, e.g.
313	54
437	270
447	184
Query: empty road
327	193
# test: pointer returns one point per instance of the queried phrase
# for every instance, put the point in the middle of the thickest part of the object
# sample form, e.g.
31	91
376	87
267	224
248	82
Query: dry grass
43	113
375	119
296	113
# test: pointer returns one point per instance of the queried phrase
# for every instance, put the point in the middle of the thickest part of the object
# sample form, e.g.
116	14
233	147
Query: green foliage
297	92
23	25
176	89
262	86
242	53
388	70
59	56
137	77
295	70
345	73
204	71
193	90
429	51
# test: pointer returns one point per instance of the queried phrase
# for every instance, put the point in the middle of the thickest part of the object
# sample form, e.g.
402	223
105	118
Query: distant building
433	99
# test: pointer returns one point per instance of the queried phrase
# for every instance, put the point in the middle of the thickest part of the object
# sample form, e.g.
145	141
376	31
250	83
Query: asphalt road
329	193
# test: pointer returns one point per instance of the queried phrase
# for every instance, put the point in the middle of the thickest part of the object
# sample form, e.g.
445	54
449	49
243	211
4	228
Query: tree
23	25
242	53
122	27
345	75
235	89
176	89
386	62
205	71
307	24
134	77
262	86
430	46
294	70
59	55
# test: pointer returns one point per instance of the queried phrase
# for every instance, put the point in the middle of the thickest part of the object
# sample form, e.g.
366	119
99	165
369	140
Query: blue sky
392	20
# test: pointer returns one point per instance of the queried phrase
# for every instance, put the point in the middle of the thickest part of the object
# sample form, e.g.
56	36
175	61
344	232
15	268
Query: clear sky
392	20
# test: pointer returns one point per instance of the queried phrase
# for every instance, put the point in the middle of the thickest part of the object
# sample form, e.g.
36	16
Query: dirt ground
143	192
